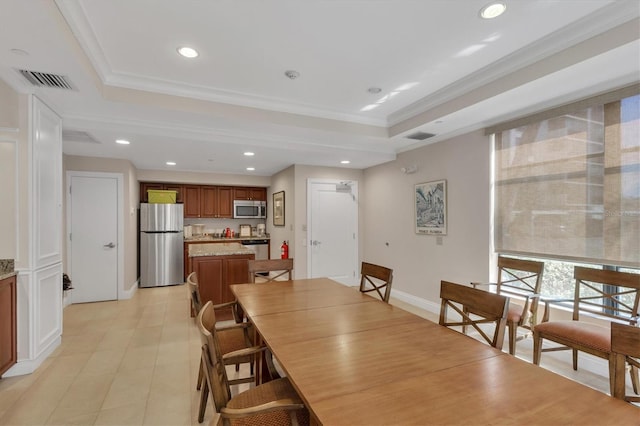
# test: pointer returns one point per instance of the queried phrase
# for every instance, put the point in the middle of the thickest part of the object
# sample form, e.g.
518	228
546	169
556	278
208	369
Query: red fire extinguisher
284	250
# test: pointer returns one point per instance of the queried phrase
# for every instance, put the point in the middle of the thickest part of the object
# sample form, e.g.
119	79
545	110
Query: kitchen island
218	265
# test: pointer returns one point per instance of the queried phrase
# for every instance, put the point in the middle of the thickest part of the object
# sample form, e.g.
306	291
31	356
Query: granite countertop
218	239
6	268
217	249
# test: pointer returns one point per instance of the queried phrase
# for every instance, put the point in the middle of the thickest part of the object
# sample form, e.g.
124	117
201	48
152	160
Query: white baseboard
28	366
416	301
128	294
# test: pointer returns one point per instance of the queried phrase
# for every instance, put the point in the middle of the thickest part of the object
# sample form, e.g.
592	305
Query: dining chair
272	403
475	307
232	337
268	270
625	348
520	280
376	278
608	295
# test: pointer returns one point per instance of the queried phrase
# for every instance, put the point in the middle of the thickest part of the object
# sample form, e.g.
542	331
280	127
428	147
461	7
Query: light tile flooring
135	362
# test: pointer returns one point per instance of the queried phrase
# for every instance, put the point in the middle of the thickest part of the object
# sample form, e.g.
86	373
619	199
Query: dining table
355	360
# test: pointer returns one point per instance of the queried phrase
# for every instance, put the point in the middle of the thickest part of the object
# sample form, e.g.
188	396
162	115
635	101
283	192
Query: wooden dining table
355	360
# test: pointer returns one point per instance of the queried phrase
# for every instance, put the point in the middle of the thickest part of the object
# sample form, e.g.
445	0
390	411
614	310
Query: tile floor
135	362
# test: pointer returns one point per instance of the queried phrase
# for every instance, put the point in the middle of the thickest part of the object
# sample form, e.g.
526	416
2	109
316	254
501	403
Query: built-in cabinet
205	201
8	325
248	193
216	274
145	186
208	201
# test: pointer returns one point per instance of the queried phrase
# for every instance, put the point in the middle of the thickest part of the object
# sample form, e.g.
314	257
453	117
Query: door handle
110	245
315	243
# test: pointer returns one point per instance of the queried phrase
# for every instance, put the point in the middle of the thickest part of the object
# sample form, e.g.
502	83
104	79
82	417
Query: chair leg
203	401
200	375
537	348
513	331
237	367
575	359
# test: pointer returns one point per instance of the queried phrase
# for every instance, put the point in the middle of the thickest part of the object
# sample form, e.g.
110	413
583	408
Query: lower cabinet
8	347
216	274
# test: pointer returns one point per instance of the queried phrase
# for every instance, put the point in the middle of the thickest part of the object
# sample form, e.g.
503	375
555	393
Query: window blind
568	186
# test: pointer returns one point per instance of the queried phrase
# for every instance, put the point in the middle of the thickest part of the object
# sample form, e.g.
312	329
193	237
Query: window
568	187
567	190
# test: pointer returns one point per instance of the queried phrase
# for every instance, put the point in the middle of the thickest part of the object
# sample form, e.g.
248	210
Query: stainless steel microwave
247	209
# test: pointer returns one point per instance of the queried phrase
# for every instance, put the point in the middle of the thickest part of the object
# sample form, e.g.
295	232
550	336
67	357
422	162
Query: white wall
387	205
283	181
202	178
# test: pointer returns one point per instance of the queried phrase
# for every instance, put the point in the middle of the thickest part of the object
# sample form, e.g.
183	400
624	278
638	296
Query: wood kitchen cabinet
145	186
248	193
8	341
208	201
216	274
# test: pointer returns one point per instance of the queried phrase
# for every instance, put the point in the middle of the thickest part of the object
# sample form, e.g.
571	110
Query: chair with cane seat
272	403
268	270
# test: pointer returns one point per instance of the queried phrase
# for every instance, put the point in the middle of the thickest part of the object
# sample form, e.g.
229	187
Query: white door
93	238
333	230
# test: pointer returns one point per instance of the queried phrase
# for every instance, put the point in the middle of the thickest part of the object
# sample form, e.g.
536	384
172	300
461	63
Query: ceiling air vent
77	136
420	136
43	79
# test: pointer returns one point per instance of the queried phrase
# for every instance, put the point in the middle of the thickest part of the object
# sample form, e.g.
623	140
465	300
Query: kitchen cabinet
208	201
248	193
145	186
216	274
8	326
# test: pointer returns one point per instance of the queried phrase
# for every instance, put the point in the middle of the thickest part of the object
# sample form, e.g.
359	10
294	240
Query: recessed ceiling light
171	163
188	52
249	154
345	162
251	168
492	10
122	141
374	90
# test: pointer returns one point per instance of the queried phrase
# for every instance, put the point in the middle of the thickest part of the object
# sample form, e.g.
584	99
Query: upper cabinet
248	193
145	186
205	200
208	201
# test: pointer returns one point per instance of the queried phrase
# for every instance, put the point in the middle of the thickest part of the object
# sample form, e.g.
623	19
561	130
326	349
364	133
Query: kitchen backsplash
210	225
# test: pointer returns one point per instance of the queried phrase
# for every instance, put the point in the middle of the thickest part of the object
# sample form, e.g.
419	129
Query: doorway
94	224
332	218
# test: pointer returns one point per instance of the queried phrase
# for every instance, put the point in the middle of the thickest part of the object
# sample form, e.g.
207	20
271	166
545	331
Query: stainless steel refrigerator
161	245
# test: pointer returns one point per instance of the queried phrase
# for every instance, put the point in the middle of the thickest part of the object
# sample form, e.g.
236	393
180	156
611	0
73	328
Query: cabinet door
225	202
209	201
210	278
8	348
179	191
191	201
259	194
236	272
241	193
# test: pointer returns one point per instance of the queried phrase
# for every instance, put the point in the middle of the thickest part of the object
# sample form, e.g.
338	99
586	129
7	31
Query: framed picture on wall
431	208
278	208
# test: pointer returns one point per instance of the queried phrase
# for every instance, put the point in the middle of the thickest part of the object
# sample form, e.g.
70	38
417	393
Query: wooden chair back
606	293
376	278
196	302
474	307
625	348
215	372
275	269
521	278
